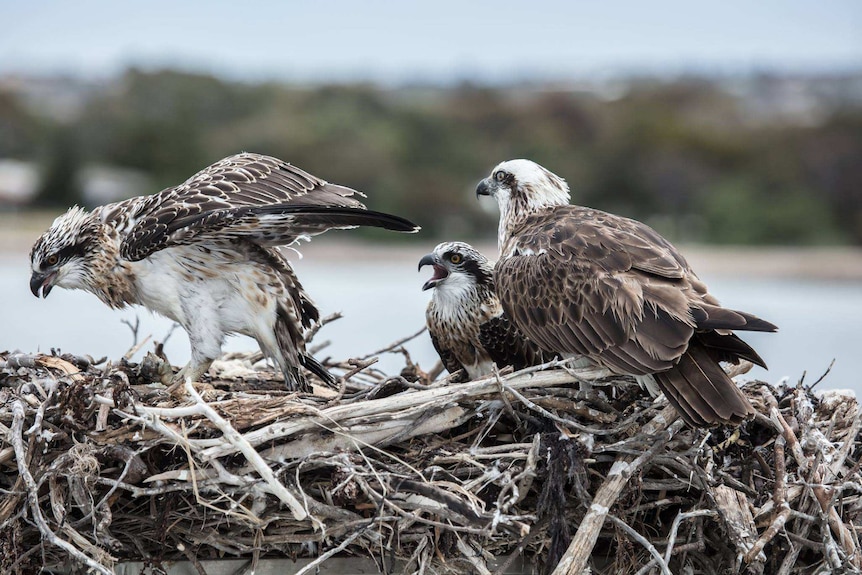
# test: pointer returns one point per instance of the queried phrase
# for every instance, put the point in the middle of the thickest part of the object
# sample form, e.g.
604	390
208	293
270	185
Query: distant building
100	184
19	181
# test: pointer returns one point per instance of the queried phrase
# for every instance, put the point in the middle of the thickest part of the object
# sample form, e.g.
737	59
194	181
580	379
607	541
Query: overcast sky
435	40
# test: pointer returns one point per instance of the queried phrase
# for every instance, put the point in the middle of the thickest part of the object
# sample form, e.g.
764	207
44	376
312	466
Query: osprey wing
506	345
447	356
259	198
584	282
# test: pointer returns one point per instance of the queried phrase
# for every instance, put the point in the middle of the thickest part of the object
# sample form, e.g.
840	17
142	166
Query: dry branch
99	464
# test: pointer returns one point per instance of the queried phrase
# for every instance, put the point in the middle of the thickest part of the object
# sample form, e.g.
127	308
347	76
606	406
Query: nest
99	466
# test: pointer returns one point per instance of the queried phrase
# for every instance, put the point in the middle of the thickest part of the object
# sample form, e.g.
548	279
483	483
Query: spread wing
580	281
259	198
506	345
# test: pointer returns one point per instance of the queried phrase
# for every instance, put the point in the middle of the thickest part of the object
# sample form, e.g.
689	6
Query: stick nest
98	465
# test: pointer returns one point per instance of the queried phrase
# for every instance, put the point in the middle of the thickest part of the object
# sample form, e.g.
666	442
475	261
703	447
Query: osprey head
61	255
457	266
521	187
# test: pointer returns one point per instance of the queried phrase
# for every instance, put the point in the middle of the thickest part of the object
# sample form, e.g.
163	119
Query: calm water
382	301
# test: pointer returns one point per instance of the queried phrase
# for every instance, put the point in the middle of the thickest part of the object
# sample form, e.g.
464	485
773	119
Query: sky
436	40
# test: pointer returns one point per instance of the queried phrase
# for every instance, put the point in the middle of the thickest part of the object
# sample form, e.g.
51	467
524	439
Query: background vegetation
757	160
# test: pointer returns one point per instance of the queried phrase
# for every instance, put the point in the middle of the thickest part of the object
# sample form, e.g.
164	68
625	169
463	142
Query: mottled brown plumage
204	254
465	321
582	282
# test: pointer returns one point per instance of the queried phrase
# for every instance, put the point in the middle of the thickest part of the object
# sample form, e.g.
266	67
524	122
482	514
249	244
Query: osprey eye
52	260
500	175
455	258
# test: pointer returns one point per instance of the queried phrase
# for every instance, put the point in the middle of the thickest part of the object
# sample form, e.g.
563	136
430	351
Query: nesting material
98	466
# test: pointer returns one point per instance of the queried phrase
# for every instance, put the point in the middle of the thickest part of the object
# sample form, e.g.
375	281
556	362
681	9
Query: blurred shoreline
832	263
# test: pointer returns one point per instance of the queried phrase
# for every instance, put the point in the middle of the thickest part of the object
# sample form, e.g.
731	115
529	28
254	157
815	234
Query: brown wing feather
506	345
256	197
595	284
447	356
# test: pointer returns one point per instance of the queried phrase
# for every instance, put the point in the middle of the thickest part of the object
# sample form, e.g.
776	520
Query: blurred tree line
691	157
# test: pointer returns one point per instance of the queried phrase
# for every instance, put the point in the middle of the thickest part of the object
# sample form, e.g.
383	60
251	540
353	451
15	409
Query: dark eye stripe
68	253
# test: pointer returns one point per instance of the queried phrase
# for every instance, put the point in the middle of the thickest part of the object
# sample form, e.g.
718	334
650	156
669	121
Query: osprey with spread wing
585	283
205	255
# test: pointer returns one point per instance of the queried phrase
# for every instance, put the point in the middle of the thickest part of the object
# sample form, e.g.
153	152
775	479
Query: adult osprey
582	282
467	325
204	254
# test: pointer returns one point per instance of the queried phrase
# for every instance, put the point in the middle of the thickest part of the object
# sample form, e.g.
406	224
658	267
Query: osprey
204	254
467	325
581	282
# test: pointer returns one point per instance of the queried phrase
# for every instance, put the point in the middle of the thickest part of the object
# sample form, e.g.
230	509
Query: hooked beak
440	273
483	189
42	281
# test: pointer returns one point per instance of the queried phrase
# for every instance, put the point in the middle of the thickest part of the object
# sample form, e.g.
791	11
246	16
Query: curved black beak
440	273
41	281
427	260
483	189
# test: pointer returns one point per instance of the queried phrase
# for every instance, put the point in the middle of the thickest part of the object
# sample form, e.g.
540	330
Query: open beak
440	273
483	189
41	281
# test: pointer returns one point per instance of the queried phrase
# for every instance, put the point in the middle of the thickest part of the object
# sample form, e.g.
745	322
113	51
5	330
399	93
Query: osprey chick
467	325
204	255
582	282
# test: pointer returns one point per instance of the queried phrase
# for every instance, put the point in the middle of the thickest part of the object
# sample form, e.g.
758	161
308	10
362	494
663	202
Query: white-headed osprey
204	254
582	282
465	320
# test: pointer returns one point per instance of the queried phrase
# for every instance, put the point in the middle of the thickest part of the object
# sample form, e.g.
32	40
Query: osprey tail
701	391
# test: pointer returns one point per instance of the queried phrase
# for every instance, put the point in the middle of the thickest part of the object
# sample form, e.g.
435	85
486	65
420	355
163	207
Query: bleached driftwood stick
252	456
734	510
444	395
380	434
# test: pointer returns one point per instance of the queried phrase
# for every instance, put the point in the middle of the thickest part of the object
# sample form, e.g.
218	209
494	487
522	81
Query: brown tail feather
728	348
702	393
716	317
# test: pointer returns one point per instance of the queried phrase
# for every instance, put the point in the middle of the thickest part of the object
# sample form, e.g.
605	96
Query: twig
780	501
660	561
674	529
312	331
395	344
253	457
822	377
170	332
134	327
341	547
33	494
473	556
552	417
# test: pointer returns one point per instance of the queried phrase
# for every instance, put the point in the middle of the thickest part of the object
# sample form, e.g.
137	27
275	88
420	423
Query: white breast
216	291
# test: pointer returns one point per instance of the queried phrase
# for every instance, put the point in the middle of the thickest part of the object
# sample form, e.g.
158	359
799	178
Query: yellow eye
52	260
500	175
456	258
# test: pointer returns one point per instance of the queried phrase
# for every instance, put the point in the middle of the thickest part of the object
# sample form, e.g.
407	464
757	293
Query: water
381	300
